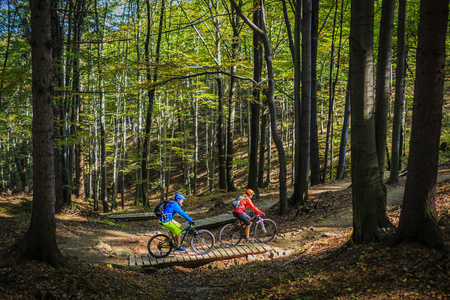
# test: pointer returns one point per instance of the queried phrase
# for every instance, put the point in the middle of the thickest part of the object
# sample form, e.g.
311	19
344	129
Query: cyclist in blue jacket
173	226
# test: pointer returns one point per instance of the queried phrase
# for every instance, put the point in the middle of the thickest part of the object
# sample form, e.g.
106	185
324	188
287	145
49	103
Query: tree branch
246	19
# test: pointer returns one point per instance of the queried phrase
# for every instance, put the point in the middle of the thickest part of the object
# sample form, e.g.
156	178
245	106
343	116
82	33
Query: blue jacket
171	211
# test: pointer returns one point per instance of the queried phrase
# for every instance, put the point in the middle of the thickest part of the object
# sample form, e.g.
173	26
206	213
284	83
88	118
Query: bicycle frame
186	231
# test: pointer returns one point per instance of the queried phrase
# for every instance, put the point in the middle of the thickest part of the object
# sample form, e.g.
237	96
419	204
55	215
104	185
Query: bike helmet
249	192
179	196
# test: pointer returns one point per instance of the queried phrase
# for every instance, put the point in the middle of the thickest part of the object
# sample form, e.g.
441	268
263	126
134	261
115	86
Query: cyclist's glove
193	223
263	214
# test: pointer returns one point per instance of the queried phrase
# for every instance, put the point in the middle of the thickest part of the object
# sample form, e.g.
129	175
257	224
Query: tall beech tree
418	219
368	191
39	242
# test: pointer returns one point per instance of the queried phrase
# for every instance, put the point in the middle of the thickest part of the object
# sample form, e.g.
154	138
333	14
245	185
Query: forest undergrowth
321	268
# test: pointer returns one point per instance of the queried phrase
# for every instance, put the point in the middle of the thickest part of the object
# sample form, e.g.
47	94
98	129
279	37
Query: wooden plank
247	249
259	248
153	261
243	249
132	261
138	260
146	259
219	252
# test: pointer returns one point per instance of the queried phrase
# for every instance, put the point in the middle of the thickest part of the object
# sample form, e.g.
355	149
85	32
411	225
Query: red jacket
246	202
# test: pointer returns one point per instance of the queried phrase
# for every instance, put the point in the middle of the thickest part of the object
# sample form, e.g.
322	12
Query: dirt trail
114	246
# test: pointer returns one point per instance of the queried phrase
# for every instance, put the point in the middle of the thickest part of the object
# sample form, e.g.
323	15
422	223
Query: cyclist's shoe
250	240
180	249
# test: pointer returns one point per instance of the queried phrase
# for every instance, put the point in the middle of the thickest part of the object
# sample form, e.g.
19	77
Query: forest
114	106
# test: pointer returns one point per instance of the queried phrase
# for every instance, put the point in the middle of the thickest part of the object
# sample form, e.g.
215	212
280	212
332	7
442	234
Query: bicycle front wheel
230	235
265	230
160	246
202	241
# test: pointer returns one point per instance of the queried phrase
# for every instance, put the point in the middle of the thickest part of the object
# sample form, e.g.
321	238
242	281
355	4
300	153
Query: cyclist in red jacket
240	214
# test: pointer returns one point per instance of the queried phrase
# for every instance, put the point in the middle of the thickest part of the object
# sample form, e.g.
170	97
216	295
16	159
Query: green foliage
196	39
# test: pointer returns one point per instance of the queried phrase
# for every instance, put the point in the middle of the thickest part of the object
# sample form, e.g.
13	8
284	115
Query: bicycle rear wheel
160	246
265	230
230	235
202	241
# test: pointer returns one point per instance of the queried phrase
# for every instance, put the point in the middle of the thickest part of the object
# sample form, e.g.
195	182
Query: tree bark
368	191
418	220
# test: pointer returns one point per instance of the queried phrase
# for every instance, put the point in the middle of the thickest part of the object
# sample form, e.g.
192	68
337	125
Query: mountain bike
264	229
161	245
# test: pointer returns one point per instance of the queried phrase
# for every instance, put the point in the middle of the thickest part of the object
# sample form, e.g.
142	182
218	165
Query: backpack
237	201
159	209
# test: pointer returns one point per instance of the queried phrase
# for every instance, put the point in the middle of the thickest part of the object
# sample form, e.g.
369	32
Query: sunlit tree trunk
368	192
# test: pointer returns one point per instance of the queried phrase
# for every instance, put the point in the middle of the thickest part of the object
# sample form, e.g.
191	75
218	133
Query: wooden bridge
189	257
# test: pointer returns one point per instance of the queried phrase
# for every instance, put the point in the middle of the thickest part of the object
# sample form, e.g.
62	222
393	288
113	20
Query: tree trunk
315	161
340	172
262	147
58	83
295	45
151	97
232	105
368	191
418	220
383	87
306	102
39	242
220	137
254	130
330	99
399	95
